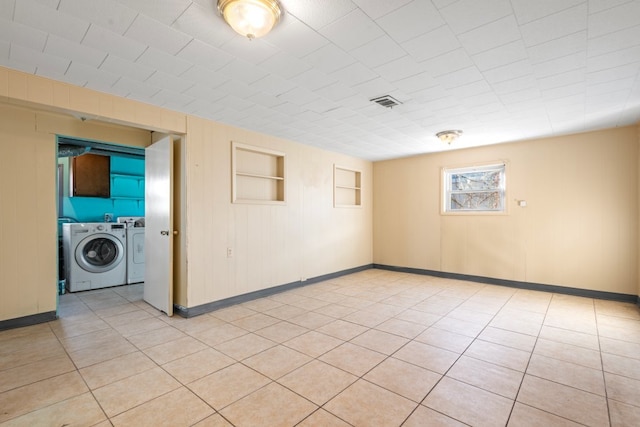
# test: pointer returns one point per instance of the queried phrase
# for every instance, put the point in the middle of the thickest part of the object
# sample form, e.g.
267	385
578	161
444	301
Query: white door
158	240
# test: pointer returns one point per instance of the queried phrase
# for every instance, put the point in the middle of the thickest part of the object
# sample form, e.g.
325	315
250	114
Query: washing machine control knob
100	227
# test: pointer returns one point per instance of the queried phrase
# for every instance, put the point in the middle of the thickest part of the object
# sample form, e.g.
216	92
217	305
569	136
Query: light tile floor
375	348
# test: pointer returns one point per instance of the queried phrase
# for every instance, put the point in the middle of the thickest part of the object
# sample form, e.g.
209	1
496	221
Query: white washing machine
135	247
94	255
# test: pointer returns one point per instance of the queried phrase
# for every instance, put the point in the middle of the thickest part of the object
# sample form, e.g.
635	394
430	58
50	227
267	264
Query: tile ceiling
500	70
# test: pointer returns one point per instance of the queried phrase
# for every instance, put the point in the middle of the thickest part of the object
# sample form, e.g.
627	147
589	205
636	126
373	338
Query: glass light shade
449	136
250	18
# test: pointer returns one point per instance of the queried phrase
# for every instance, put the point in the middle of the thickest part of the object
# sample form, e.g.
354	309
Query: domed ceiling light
449	136
250	18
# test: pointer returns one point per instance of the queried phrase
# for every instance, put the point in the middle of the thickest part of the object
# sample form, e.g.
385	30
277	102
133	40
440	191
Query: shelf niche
346	187
258	175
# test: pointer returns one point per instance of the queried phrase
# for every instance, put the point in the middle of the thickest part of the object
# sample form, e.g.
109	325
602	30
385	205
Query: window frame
447	191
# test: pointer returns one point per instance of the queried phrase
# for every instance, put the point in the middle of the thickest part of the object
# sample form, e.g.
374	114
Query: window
474	189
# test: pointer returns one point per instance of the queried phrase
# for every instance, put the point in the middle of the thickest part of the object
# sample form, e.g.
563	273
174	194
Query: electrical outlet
229	252
108	217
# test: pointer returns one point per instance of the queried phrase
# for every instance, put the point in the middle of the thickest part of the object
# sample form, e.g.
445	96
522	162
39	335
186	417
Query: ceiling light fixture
250	18
449	136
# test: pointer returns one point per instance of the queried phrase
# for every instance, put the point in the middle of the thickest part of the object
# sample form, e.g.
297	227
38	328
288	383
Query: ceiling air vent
386	101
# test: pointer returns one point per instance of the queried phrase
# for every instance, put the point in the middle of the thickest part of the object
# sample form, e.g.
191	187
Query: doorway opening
101	209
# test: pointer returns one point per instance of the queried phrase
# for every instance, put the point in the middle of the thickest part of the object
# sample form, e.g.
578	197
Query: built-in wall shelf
258	175
347	187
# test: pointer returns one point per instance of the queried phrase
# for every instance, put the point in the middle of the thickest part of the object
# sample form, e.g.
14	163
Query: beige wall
272	245
579	229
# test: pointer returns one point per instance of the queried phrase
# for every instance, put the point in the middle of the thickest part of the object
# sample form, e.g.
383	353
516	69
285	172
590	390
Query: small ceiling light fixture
449	136
250	18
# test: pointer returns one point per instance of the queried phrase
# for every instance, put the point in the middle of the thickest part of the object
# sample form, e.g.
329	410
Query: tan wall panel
580	228
27	217
271	244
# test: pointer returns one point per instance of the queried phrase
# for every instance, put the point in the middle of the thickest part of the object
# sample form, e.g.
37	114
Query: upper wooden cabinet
89	176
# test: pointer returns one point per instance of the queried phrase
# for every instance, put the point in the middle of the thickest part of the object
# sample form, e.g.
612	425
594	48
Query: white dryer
135	248
95	255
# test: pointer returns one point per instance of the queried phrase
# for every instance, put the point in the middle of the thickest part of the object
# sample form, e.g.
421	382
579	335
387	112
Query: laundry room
100	214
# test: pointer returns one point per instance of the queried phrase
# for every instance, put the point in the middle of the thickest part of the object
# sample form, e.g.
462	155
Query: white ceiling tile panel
563	79
442	3
614	41
59	47
465	15
207	93
352	30
138	88
508	72
527	10
94	77
564	91
272	85
266	100
446	63
6	9
285	65
13	32
514	85
205	55
253	51
172	100
353	74
164	11
374	88
470	90
296	38
521	96
317	13
609	86
149	31
298	96
313	79
236	88
4	51
600	5
378	52
102	39
163	61
614	59
24	55
500	56
563	46
204	77
410	21
460	77
560	65
243	71
494	34
415	82
431	44
400	68
378	8
133	70
336	92
105	13
329	58
610	74
34	13
168	81
555	26
611	20
204	24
